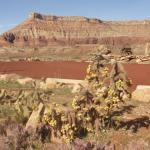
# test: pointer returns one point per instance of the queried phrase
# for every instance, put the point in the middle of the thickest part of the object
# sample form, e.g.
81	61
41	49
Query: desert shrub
92	109
6	111
12	84
62	91
18	104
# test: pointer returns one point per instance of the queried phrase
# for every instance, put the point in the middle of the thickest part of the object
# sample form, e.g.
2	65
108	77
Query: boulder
104	49
142	95
35	117
25	81
138	60
77	88
48	84
141	87
61	85
9	77
123	58
145	59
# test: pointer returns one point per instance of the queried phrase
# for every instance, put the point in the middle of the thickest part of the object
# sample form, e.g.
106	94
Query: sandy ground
138	73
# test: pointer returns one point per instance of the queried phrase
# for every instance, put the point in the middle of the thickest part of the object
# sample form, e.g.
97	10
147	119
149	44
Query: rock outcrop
43	31
141	94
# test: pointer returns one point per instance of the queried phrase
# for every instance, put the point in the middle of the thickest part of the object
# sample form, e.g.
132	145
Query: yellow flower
88	69
88	118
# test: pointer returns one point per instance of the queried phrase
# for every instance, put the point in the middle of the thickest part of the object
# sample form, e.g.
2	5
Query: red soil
38	69
139	73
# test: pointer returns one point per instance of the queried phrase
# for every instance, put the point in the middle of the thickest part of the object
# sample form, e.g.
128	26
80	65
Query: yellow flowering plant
92	109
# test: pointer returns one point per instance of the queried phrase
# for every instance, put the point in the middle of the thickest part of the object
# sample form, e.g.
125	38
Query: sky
13	12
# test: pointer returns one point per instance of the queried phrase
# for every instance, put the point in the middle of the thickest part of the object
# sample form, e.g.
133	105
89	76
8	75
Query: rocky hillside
46	31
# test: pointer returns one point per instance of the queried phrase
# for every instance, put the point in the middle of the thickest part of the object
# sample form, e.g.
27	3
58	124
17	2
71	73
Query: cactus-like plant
93	107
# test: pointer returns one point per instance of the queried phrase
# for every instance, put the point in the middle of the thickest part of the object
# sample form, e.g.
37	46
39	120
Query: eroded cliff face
41	31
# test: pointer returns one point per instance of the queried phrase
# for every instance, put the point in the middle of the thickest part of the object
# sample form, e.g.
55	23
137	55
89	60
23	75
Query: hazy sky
13	12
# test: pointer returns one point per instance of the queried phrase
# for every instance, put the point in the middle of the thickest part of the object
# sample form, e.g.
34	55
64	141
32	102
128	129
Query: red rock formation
40	30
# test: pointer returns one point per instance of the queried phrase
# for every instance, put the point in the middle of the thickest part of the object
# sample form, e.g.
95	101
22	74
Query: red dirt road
139	73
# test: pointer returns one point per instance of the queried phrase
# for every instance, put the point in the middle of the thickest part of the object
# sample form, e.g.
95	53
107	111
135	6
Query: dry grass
62	96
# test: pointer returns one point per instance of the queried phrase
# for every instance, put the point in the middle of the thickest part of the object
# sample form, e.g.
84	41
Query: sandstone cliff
44	31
